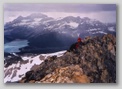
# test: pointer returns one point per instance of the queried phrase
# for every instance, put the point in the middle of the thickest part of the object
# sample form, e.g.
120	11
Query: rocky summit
92	62
69	74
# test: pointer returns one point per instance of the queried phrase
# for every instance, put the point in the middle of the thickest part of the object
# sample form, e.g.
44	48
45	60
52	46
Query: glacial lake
15	45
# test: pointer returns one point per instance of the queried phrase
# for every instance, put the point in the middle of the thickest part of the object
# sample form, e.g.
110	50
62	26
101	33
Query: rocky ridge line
96	59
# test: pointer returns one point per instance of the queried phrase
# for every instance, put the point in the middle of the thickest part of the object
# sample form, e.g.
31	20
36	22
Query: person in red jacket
79	39
76	45
78	42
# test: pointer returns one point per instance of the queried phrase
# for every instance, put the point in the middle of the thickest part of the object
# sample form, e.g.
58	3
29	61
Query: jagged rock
22	80
70	74
10	59
96	58
32	81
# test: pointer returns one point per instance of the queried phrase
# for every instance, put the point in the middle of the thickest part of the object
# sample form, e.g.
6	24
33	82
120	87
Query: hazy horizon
101	12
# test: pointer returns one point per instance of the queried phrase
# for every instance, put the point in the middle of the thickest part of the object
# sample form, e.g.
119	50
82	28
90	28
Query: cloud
102	12
103	16
60	7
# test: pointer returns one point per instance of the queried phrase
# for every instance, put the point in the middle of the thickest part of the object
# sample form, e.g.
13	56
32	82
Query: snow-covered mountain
17	70
46	32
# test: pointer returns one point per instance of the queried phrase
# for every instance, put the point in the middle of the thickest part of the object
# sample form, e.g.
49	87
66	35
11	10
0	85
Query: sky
102	12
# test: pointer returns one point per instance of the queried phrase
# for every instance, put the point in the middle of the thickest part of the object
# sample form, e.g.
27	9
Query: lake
15	45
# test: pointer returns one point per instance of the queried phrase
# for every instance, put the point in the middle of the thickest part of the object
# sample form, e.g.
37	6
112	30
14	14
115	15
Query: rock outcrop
69	74
10	59
93	62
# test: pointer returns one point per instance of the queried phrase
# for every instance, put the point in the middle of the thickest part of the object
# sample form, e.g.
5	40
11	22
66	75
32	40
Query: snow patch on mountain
46	21
25	20
58	54
37	19
20	24
94	29
99	32
73	24
34	23
59	18
111	29
102	32
64	32
17	71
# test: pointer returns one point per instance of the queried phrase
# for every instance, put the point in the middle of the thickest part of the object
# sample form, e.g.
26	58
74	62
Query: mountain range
92	62
47	34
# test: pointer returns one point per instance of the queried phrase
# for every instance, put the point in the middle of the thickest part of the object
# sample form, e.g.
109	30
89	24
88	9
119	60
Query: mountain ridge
39	29
97	60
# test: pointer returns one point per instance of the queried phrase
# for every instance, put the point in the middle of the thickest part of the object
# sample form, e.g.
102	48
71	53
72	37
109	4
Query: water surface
15	45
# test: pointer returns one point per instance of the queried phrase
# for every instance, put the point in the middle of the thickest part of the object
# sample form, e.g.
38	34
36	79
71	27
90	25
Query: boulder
69	74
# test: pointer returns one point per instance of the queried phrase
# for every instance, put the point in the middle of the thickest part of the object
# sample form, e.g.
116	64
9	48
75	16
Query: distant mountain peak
86	18
19	17
37	15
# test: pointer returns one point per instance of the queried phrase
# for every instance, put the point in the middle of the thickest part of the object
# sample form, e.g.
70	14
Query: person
76	45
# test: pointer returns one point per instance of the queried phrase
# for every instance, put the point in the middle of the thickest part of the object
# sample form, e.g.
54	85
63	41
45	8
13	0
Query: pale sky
102	12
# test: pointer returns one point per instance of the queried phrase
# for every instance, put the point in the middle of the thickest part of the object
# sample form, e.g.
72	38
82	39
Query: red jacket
77	45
